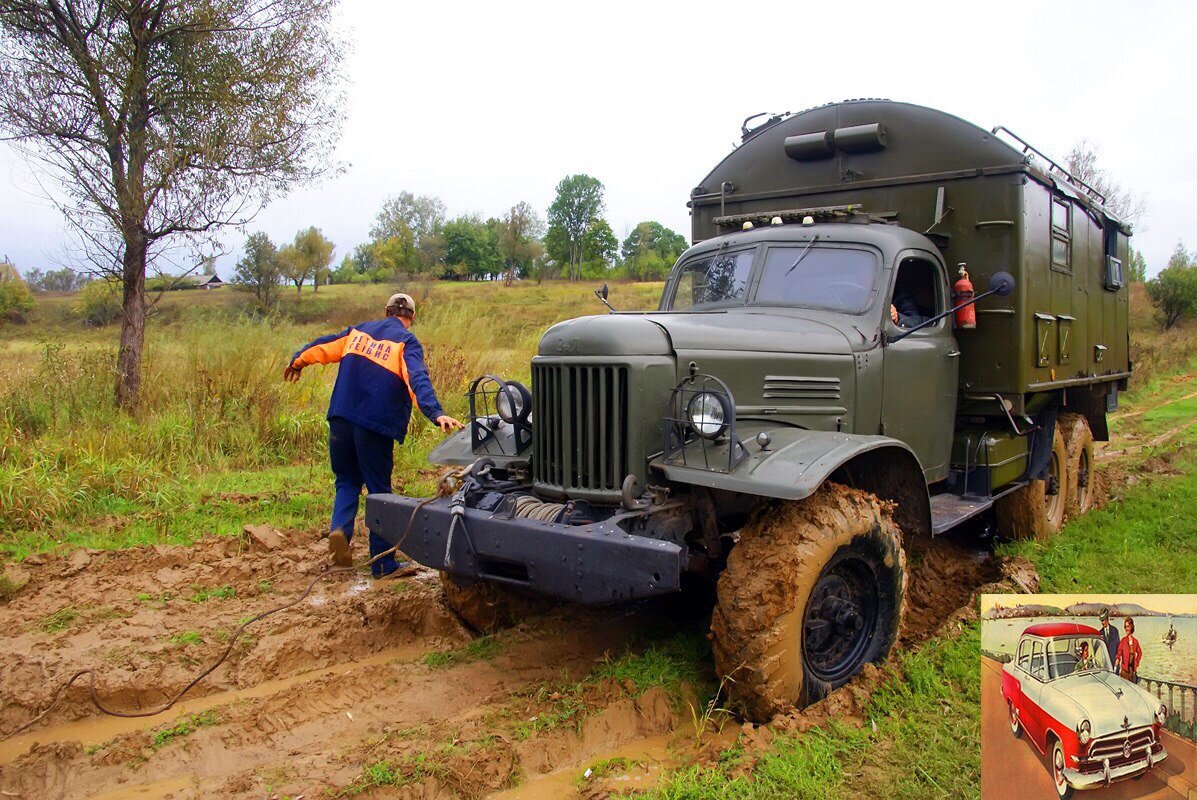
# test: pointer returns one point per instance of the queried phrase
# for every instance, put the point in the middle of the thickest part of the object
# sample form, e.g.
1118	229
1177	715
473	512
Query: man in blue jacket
382	374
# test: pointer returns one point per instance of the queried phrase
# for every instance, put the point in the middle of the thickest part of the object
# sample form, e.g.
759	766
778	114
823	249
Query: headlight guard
702	412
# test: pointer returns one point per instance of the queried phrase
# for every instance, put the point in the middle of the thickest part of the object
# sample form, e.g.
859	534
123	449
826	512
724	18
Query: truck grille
580	418
1111	746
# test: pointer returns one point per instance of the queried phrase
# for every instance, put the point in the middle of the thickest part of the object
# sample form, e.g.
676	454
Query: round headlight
708	414
1084	731
512	402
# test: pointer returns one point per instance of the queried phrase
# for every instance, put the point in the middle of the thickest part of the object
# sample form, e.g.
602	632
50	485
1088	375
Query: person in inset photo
1085	659
1110	634
1130	653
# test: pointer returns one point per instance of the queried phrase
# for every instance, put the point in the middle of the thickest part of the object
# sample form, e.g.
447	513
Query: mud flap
593	564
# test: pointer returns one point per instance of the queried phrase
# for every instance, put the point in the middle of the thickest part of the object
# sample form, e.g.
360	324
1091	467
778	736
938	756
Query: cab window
717	279
1038	662
1024	655
917	294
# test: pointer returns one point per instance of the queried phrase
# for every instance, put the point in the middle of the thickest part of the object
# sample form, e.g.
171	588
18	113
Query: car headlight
708	414
1161	715
513	401
1084	731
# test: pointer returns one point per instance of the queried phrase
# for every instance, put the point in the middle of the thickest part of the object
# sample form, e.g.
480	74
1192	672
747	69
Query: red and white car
1095	727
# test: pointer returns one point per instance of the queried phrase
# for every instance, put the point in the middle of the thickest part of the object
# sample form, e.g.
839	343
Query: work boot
338	549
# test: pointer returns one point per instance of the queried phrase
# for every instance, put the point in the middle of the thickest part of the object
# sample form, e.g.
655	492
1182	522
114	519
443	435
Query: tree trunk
128	359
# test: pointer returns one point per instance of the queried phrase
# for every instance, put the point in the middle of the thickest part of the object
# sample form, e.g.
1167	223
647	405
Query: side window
1061	235
1024	655
1038	662
917	294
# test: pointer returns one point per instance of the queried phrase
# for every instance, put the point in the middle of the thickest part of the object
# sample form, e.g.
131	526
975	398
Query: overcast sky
487	104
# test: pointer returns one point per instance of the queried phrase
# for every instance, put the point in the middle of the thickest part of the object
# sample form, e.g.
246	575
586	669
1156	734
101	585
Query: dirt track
319	692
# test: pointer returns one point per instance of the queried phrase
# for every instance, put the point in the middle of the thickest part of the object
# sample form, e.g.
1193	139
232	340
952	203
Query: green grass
183	728
924	745
187	637
483	648
394	773
680	664
200	594
607	766
60	620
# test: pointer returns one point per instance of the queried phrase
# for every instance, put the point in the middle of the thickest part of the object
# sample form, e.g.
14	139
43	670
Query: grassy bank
217	420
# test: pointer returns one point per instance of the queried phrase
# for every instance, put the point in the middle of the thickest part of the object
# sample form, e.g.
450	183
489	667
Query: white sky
487	104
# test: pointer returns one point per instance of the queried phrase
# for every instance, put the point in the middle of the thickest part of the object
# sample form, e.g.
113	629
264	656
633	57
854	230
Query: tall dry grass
213	399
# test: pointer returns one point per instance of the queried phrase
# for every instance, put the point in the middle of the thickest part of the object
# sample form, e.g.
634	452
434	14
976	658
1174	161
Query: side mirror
1001	284
603	291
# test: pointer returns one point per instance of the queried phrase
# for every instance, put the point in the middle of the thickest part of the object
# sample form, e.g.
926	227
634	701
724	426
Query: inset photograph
1089	692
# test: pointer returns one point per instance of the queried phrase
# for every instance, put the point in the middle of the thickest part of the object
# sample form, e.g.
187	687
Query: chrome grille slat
580	426
1111	746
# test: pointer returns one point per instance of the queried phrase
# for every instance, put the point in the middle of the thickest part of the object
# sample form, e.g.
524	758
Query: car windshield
822	276
717	279
1073	654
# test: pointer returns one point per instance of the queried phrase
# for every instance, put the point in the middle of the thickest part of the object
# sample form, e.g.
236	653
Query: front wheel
1063	790
812	592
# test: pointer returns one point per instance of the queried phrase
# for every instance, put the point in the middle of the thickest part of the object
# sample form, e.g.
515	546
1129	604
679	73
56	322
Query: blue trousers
360	456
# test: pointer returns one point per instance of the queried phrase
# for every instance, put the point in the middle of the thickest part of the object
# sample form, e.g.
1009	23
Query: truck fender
796	462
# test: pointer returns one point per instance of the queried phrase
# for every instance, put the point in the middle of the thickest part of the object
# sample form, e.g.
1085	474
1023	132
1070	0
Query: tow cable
446	486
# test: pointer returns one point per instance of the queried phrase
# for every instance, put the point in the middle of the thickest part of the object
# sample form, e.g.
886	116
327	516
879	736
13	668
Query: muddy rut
316	695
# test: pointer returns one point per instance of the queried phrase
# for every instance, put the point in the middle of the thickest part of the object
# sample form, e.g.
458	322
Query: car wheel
486	607
1015	725
1063	790
1036	511
812	592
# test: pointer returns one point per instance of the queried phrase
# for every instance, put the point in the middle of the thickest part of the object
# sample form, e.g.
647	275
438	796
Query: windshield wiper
802	255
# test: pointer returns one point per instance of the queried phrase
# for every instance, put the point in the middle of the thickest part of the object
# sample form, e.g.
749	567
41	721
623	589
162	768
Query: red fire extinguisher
962	291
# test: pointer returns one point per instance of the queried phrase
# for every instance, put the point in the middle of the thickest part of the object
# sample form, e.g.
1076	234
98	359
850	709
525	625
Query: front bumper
1107	774
590	564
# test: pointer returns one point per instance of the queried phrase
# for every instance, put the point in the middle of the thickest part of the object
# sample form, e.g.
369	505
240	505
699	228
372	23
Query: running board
949	510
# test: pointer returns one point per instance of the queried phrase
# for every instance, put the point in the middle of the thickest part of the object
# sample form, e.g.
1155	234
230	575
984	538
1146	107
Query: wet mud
333	696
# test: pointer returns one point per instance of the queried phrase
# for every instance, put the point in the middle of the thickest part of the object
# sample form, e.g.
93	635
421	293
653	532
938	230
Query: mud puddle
98	729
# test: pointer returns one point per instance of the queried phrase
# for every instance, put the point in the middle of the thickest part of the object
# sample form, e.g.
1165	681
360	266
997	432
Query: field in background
217	420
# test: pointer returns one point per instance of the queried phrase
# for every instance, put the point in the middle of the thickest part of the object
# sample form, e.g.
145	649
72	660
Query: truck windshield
827	276
713	280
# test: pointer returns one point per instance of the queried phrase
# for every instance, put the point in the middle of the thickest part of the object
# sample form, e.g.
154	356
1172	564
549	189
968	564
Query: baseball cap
401	300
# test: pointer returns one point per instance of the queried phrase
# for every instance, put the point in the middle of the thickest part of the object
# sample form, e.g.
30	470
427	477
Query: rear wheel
812	592
487	607
1078	445
1015	724
1036	511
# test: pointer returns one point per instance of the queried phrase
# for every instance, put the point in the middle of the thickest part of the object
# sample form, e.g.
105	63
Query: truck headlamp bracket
710	442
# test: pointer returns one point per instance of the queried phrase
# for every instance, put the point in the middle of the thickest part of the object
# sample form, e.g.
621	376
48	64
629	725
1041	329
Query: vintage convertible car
1097	727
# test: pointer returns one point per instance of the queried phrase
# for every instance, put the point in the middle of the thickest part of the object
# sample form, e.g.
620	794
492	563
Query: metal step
949	510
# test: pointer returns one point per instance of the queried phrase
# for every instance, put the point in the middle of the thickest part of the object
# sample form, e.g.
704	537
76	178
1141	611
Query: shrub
99	302
15	297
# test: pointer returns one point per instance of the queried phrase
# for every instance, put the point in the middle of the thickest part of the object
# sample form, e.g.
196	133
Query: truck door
920	370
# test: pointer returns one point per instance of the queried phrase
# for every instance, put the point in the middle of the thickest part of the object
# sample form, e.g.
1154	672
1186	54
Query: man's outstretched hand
290	374
448	424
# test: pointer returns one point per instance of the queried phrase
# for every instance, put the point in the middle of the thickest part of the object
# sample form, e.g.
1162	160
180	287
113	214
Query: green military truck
817	396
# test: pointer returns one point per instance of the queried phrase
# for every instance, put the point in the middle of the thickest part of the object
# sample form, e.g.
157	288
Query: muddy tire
812	592
1082	483
486	607
1036	511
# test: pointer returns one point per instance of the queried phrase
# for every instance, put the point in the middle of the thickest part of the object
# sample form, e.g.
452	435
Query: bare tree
163	120
1082	161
